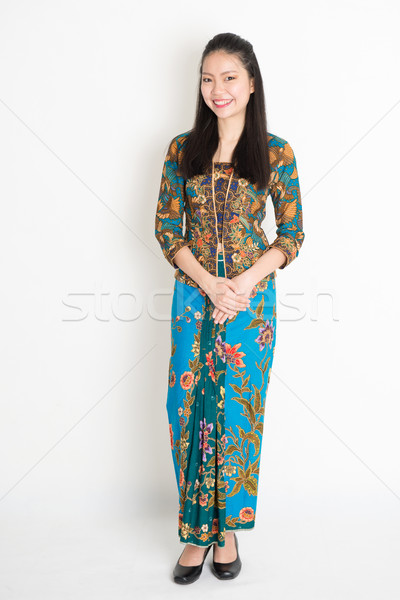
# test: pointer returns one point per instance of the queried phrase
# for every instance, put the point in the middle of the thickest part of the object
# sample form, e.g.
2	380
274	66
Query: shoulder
175	147
280	151
181	138
178	141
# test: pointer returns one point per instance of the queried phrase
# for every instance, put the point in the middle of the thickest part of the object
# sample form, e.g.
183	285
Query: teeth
219	103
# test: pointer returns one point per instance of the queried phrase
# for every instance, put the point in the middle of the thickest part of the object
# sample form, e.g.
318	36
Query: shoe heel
184	575
228	570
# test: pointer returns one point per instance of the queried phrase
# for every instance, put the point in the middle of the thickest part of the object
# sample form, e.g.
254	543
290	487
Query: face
225	79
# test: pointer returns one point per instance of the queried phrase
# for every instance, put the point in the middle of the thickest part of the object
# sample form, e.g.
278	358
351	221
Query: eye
205	79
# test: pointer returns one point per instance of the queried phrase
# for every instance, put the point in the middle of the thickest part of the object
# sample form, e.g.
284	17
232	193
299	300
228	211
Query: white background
90	95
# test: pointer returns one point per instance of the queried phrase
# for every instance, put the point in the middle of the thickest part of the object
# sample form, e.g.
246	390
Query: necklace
220	247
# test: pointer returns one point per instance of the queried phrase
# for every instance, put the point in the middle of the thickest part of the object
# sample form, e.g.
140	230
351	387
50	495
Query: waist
231	271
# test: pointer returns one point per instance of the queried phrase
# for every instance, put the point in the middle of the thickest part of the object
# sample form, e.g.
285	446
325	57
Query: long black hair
250	157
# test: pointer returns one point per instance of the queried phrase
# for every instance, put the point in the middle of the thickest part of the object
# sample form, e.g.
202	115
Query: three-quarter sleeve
171	207
286	198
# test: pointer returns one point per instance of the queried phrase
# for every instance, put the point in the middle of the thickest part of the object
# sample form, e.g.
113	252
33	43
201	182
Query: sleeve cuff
286	247
173	250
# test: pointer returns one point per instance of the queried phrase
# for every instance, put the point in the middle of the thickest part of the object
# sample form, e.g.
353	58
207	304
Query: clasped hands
229	295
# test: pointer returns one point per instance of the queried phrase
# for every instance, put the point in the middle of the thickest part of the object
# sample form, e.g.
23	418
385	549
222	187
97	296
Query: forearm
185	260
266	264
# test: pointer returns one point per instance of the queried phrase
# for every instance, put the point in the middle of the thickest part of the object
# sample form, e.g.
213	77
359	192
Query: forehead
219	63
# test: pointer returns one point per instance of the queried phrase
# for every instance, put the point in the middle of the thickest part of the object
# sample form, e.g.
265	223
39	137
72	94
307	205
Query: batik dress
216	401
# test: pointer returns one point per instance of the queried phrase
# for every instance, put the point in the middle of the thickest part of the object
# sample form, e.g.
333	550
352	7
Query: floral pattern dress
219	373
218	380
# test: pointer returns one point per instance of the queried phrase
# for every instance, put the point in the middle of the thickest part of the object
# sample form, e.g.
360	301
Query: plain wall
90	95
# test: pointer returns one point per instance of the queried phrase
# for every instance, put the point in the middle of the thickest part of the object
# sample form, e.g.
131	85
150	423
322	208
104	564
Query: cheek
205	93
240	93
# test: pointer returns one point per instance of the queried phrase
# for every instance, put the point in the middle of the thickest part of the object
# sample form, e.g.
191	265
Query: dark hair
250	157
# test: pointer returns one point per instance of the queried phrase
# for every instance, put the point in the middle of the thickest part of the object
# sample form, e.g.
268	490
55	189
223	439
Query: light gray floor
303	551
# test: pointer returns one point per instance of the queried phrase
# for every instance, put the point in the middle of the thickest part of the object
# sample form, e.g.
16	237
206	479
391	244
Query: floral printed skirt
218	380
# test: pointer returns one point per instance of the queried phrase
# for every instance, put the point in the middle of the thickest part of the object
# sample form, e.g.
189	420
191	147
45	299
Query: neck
230	130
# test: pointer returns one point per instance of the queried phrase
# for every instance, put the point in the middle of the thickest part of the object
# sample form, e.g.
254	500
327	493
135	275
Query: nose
218	88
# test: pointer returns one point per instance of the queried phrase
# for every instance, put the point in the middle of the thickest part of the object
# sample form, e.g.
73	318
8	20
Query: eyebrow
223	72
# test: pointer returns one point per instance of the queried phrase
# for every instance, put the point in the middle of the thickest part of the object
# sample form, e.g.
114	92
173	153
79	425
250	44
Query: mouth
221	103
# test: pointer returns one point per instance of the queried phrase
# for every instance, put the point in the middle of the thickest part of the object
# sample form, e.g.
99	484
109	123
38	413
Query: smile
220	103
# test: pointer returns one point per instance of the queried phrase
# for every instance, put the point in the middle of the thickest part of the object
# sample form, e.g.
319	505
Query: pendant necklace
220	247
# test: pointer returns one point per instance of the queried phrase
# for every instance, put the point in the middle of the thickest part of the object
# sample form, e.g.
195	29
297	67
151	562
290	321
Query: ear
251	85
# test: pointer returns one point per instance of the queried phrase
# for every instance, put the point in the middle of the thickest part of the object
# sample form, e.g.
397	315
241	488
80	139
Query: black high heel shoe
184	574
228	570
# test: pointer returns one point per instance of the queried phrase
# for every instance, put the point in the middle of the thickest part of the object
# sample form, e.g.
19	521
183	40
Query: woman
223	320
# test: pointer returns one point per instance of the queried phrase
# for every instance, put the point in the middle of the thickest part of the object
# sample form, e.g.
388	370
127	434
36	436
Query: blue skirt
218	380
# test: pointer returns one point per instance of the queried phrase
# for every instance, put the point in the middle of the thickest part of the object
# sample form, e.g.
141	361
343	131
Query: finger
242	298
228	311
216	318
221	315
237	297
216	314
234	305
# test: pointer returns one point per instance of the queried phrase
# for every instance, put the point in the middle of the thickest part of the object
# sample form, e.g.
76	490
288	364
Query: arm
271	260
286	198
171	207
191	266
169	220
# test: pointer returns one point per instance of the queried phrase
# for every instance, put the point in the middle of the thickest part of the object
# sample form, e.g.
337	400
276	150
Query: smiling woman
223	317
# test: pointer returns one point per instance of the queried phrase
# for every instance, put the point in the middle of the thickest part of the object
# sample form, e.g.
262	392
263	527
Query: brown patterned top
239	226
